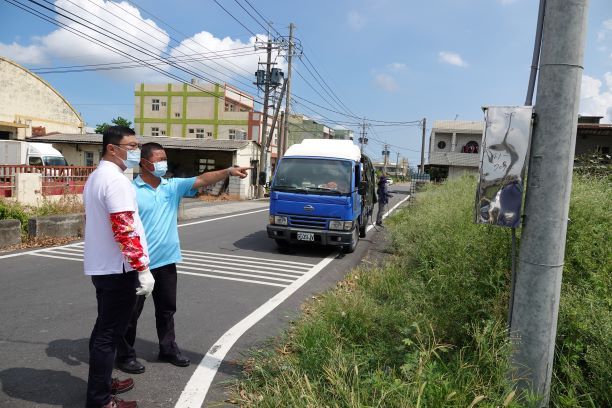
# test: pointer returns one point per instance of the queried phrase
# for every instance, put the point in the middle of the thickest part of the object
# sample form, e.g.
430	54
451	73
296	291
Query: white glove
146	283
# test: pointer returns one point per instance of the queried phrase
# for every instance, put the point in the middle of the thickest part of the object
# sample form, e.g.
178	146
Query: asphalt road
236	290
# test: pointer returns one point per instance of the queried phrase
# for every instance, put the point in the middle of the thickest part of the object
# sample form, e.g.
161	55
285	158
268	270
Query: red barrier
56	180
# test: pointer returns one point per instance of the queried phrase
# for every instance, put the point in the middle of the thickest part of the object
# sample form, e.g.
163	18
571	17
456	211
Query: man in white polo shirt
158	203
116	259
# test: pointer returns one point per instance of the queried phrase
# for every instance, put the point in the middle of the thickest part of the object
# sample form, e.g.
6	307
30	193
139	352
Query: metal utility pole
423	147
538	282
288	97
263	154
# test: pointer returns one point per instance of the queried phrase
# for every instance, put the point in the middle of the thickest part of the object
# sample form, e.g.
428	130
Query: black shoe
132	367
176	359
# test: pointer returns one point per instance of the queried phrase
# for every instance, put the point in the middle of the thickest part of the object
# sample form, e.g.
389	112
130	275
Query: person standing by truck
158	202
383	198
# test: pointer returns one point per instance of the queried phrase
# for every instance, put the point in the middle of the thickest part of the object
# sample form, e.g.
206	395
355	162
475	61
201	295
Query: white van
18	152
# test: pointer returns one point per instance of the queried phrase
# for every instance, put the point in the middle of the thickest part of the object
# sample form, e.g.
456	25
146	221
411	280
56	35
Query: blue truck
323	192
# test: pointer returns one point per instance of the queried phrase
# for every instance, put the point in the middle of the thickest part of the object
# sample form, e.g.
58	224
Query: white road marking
232	279
196	389
185	251
200	265
219	271
220	260
57	257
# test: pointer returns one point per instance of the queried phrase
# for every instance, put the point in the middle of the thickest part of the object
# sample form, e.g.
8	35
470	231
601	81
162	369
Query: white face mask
132	159
160	169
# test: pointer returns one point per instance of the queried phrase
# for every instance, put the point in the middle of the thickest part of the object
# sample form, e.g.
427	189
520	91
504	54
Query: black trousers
164	299
116	296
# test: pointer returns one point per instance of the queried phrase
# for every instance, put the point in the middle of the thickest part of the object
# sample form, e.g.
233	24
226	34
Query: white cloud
451	58
606	29
206	43
386	82
596	100
29	55
396	66
355	20
150	41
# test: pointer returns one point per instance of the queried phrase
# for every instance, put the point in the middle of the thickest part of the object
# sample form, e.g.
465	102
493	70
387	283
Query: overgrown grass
428	328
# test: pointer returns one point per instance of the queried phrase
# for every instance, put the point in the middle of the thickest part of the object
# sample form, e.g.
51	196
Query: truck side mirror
363	186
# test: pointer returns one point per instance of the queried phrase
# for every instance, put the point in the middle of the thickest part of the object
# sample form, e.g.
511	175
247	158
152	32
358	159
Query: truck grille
308	222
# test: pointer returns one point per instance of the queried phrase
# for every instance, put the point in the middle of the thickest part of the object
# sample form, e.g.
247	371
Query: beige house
29	106
455	145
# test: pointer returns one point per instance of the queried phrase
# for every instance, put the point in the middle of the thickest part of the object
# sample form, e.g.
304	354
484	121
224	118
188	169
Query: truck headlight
280	220
341	225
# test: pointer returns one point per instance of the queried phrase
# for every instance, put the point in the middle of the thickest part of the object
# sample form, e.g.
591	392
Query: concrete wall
10	232
70	225
458	171
30	100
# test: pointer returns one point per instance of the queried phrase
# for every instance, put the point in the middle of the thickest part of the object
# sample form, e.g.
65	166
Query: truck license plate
305	236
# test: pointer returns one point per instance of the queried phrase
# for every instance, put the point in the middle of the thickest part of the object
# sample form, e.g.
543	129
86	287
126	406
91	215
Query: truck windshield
316	176
54	161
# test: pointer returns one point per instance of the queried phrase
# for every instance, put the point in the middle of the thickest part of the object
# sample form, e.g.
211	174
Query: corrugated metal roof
166	142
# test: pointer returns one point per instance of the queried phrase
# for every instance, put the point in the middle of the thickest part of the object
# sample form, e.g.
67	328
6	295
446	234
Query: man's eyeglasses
130	146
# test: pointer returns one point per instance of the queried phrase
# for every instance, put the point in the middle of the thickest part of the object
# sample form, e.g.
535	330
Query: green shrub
13	211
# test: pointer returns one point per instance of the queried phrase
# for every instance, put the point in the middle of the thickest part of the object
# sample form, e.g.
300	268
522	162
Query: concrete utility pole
280	144
264	127
362	139
288	97
423	147
385	158
396	164
276	111
538	282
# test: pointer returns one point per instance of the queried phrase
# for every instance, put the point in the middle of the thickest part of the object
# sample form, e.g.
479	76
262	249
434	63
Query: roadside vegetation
12	210
427	328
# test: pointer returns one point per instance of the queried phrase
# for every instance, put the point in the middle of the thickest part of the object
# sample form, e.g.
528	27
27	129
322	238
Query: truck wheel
282	244
349	249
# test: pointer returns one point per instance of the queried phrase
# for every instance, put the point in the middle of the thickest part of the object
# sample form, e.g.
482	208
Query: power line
238	21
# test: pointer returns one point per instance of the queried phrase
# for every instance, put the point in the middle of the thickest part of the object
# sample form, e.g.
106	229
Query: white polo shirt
107	191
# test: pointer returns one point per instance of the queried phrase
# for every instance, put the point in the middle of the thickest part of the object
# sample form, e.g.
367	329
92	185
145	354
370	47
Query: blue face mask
161	168
133	158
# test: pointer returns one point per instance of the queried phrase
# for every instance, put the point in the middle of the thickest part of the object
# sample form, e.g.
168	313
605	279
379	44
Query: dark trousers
116	296
381	211
164	299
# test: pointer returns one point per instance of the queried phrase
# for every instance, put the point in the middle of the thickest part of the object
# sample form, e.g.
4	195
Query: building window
229	107
155	104
232	134
206	165
470	147
200	133
209	135
177	115
89	161
163	103
191	130
441	144
163	132
154	131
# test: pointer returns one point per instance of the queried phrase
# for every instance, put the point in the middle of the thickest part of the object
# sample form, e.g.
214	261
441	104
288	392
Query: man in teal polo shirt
158	202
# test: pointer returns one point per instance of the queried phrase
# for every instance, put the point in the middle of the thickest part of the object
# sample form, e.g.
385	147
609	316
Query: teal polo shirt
158	210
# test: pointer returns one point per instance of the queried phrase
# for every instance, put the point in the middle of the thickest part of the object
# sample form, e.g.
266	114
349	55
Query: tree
118	121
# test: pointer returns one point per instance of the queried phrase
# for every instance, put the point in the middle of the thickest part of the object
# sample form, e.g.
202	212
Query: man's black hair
147	149
113	135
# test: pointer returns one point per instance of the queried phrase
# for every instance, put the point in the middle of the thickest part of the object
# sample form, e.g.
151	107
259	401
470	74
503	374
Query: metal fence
417	179
56	180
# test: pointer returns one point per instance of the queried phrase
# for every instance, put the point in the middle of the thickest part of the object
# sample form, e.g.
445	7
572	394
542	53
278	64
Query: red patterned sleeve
128	239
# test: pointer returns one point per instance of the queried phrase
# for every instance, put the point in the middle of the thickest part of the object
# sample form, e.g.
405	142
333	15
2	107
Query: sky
378	60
